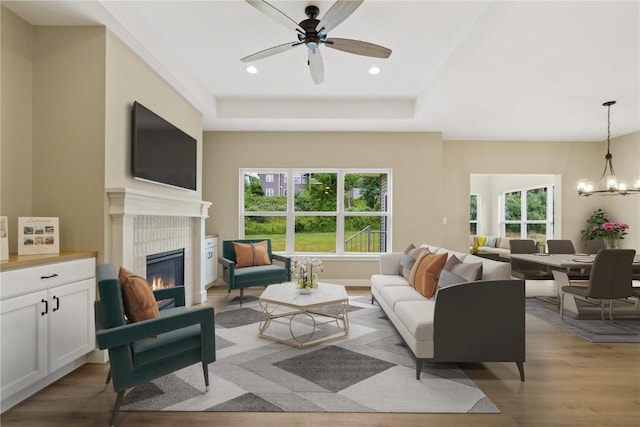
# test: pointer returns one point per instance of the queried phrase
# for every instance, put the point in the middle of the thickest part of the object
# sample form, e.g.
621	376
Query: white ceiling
502	70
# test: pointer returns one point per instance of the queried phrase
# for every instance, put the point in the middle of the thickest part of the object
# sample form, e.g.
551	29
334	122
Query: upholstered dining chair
593	246
147	349
523	269
610	279
560	247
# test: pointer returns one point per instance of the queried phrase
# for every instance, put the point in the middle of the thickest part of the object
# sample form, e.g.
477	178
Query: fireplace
165	270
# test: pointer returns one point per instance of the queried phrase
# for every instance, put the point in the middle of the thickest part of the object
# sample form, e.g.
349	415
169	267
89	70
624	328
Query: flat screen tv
161	152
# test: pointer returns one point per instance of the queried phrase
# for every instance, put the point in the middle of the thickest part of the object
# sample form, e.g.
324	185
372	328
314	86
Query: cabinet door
71	322
23	321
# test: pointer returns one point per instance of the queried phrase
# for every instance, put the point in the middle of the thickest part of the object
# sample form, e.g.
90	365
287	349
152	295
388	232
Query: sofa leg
418	368
241	296
521	370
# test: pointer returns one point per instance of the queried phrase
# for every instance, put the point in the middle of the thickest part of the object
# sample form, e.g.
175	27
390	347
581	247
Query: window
268	177
328	211
528	213
473	214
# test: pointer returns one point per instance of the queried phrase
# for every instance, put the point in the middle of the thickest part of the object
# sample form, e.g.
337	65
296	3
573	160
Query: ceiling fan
312	33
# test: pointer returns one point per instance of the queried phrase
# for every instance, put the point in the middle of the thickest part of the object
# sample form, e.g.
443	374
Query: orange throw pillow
426	272
137	296
250	254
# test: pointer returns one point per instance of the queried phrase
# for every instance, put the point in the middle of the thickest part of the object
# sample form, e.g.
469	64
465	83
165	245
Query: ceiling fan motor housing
311	37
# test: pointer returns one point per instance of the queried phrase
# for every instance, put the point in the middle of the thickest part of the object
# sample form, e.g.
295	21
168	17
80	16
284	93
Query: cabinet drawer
210	242
25	280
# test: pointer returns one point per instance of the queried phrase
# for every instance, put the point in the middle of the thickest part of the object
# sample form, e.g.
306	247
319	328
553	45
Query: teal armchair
142	351
261	275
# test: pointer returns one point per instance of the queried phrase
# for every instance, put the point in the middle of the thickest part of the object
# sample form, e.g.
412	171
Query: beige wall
571	160
414	157
128	79
68	131
626	161
66	114
16	121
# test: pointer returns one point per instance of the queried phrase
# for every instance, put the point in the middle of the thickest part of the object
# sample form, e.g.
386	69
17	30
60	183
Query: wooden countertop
23	261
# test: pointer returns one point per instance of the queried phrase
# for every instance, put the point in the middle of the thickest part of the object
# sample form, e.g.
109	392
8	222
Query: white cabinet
210	260
47	324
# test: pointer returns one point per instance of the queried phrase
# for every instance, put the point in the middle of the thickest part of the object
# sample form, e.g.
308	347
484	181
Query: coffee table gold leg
293	335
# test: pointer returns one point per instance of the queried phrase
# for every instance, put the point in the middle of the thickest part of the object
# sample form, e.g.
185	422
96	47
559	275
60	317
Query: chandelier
609	184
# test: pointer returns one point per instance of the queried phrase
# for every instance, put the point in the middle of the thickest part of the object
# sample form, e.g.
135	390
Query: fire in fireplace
165	270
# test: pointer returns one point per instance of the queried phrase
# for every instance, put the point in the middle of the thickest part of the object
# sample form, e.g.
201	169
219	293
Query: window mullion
340	214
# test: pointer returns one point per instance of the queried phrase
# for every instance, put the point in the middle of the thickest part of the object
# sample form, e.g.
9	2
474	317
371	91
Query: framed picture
4	238
38	235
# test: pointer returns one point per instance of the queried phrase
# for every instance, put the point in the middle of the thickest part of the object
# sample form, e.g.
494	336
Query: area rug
370	371
591	328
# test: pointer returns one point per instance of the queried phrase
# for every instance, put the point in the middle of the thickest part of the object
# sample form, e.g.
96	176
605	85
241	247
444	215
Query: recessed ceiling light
252	70
374	70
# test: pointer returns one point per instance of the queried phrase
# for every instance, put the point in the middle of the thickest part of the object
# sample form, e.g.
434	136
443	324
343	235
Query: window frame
524	221
340	213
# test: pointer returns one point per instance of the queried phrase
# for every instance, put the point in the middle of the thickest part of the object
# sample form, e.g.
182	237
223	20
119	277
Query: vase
611	243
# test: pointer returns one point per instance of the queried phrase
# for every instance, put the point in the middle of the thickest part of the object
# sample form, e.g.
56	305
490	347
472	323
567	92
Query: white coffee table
281	304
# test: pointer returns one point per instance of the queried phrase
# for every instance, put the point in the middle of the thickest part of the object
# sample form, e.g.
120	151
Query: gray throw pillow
447	278
408	259
471	271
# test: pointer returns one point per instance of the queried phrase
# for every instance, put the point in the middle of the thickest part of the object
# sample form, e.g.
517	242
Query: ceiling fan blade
275	13
337	13
316	66
359	47
271	51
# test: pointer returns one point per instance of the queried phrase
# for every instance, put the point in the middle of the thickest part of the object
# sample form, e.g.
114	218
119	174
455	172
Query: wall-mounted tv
161	152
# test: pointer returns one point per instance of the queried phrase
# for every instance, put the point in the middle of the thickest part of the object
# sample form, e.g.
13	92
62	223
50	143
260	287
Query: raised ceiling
476	70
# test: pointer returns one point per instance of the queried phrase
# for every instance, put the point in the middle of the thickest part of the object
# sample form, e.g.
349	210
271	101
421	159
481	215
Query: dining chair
524	269
593	246
610	279
560	246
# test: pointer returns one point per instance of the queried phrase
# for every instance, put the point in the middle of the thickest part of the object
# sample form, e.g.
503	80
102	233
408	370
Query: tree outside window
528	217
473	214
341	211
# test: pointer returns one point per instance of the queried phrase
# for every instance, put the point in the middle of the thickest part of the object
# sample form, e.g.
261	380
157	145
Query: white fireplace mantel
127	201
128	242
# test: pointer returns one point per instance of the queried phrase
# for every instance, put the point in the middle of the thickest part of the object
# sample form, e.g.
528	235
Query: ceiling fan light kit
608	184
312	33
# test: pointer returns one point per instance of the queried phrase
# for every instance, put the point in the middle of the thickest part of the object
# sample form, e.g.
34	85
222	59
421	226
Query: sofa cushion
482	240
250	254
408	259
137	297
379	281
471	271
417	316
426	272
395	294
491	270
503	242
491	241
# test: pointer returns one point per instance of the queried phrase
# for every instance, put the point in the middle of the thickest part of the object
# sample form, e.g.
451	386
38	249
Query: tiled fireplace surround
144	223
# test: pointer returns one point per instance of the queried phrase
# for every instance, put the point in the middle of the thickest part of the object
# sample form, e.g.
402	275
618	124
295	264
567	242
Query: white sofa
480	321
493	245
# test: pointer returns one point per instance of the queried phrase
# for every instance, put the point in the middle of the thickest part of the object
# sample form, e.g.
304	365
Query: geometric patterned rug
368	371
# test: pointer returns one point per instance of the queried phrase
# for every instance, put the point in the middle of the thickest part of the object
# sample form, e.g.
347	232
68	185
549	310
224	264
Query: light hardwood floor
569	382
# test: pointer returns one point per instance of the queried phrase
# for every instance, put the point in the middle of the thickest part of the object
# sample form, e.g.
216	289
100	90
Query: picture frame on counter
38	235
4	238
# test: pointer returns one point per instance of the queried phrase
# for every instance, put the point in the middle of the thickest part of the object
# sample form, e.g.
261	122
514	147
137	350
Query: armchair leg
419	363
116	407
108	380
205	370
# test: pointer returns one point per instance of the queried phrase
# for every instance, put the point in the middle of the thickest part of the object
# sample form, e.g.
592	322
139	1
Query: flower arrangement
305	272
611	230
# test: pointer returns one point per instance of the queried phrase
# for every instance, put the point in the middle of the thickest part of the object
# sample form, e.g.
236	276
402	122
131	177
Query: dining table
562	265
